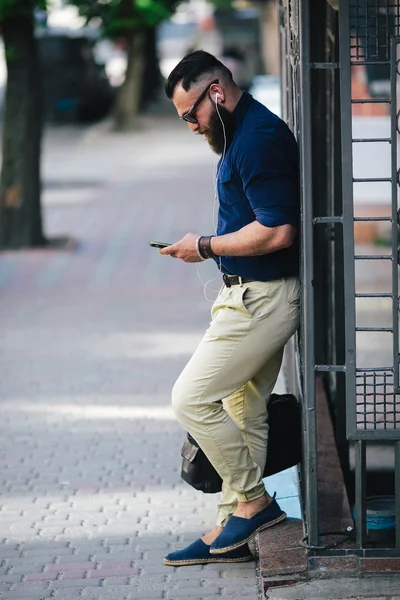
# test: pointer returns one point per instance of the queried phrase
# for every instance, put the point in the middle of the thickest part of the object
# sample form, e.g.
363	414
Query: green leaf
19	8
120	16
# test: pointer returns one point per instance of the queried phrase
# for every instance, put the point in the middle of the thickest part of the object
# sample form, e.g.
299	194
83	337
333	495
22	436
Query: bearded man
221	396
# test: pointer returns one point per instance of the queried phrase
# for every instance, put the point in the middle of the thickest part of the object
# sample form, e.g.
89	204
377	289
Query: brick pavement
91	342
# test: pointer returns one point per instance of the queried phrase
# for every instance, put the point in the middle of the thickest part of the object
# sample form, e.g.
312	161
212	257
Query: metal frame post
348	214
395	273
360	489
397	490
307	326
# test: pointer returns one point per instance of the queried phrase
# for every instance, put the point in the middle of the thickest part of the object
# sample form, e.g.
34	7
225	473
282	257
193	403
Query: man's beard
215	131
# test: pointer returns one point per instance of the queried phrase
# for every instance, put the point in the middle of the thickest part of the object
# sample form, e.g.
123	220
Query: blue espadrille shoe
238	531
199	553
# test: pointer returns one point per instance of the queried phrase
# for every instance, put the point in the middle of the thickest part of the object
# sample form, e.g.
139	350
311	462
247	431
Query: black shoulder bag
284	446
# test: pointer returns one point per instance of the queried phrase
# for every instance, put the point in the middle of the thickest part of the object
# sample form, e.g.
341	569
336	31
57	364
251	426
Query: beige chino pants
220	396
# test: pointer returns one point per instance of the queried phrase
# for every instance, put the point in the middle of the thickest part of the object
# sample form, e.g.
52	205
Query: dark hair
191	69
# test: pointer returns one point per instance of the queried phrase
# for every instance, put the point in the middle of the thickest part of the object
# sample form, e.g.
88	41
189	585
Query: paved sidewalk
91	343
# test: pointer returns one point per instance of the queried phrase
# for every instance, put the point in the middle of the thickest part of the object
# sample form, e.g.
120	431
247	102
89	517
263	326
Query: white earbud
217	95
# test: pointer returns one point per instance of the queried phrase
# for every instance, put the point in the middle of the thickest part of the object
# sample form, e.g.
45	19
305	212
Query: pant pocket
293	292
258	302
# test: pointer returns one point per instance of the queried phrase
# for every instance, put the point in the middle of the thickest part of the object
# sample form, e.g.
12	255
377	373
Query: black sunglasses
188	116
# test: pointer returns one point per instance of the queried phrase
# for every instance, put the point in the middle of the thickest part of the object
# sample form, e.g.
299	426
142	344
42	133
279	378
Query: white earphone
216	176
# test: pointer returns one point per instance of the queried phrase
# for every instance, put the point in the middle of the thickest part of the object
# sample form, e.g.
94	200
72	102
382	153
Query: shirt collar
241	107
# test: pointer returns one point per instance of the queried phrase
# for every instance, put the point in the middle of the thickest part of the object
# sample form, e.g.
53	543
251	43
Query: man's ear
216	96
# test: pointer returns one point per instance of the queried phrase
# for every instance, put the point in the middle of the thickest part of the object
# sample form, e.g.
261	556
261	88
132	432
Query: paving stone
71	583
154	595
28	594
147	568
47	554
240	576
115	581
26	597
46	545
10	578
125	552
190	573
212	588
67	594
190	595
27	588
243	594
110	593
249	589
4	553
73	560
27	568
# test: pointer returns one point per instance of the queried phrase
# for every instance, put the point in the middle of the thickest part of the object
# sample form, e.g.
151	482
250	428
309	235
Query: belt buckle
226	280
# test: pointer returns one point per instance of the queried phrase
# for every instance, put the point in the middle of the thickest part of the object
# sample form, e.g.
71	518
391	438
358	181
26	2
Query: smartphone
159	244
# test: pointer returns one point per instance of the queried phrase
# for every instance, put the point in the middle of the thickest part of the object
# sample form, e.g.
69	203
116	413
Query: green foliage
19	8
121	16
11	53
221	4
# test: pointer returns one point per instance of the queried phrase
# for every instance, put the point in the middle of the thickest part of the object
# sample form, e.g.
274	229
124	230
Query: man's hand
185	249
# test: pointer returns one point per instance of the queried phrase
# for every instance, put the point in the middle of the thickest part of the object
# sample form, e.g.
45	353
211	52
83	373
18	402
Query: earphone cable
216	174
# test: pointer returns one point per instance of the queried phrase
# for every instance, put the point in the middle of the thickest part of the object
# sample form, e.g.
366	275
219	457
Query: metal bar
373	369
374	435
397	490
372	180
395	284
330	368
374	295
369	62
309	418
366	219
371	101
324	65
373	257
389	140
318	220
348	214
360	489
355	140
387	329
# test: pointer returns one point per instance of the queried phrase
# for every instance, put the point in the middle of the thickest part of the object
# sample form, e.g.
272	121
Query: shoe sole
201	561
216	551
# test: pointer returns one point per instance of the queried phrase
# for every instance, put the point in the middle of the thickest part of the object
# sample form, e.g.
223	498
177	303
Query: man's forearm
254	240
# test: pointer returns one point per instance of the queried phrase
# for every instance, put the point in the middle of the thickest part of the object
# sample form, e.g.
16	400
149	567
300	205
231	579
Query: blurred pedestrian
220	397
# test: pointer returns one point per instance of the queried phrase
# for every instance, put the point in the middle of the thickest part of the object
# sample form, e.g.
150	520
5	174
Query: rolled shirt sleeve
268	170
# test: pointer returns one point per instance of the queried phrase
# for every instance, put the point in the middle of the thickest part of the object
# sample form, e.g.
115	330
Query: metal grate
289	34
373	23
378	407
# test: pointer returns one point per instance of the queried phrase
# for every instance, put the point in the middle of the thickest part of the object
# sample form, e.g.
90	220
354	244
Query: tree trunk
152	69
128	99
20	187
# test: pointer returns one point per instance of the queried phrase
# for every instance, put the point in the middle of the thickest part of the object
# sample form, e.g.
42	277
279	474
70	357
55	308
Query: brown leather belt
230	280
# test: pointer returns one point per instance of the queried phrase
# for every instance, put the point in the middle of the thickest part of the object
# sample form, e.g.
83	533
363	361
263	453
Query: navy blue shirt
258	180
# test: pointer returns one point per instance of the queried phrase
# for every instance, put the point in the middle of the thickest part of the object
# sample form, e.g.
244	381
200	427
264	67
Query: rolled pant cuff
222	520
253	494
